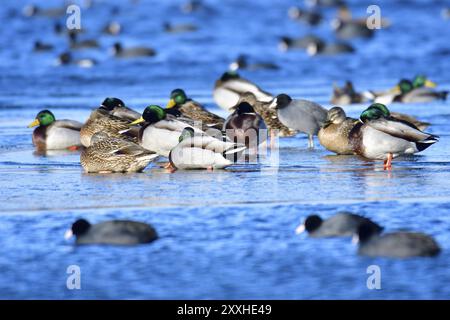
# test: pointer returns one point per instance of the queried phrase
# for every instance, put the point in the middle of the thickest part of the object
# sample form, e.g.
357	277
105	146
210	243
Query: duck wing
402	129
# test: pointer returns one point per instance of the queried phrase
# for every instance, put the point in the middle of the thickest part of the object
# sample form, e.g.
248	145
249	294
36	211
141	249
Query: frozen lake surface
225	234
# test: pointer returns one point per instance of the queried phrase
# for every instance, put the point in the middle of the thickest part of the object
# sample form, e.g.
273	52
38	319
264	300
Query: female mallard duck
161	131
334	134
117	108
346	95
199	151
55	134
244	125
269	116
302	115
101	120
384	138
401	116
407	93
228	90
180	104
107	154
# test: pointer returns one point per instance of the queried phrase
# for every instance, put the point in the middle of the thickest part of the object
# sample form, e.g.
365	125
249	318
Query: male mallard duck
302	115
55	134
384	138
120	52
228	90
114	232
334	134
161	131
101	120
401	116
342	224
407	93
269	116
199	151
117	108
244	125
346	95
179	103
242	63
401	244
107	154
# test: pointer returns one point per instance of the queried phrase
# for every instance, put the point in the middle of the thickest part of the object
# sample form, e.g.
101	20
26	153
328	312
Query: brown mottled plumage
101	121
334	134
108	154
269	116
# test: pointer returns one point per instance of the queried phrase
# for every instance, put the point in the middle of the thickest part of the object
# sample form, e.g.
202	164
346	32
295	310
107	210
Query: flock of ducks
116	138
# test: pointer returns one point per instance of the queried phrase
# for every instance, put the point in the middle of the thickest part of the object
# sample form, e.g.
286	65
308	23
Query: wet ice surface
223	234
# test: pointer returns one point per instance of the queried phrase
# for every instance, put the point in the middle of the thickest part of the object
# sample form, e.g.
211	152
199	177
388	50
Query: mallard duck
114	232
346	95
180	104
66	58
117	108
107	154
100	120
379	137
342	224
161	131
302	115
348	29
401	116
407	93
269	116
312	18
287	43
199	151
323	48
55	134
402	244
324	3
242	63
33	10
228	90
334	133
244	125
120	52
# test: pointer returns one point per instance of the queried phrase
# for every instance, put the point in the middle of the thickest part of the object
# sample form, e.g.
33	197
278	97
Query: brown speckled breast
39	138
356	139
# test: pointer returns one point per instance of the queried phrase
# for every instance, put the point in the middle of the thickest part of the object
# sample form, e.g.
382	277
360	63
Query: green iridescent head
382	108
177	97
371	114
405	86
43	118
422	81
153	114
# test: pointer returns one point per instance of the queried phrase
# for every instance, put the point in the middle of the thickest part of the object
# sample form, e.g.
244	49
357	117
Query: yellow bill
171	104
140	120
34	123
430	84
395	90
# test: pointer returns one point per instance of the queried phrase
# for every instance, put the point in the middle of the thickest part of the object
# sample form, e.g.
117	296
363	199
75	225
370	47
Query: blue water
224	234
